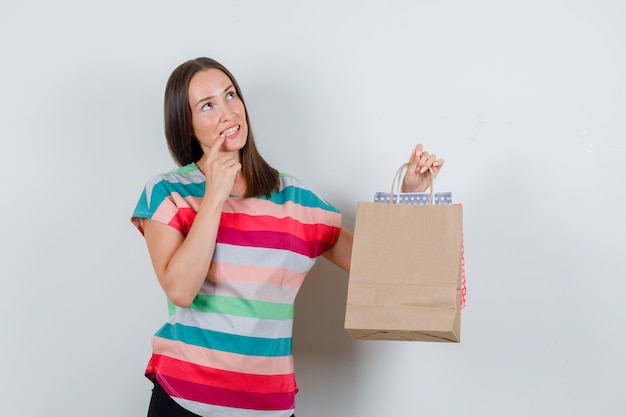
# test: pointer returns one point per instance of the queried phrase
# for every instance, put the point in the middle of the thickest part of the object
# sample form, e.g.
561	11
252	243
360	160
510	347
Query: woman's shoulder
185	180
285	177
185	170
297	190
287	180
187	174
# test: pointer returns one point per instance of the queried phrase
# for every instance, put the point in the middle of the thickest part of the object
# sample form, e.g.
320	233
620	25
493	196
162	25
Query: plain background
524	99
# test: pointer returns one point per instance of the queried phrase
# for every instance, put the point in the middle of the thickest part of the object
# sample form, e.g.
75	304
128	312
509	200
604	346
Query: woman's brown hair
260	177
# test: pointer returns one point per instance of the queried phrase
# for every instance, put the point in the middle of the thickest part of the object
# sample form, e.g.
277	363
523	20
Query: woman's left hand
416	178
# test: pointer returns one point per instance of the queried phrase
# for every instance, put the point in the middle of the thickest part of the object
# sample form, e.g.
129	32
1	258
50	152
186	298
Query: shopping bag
423	198
405	273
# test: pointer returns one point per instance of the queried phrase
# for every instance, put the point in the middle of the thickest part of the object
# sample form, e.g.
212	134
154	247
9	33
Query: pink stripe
265	274
223	360
167	208
306	215
164	212
225	397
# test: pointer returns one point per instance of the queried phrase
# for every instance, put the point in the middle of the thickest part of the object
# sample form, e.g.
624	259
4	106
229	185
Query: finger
437	166
422	161
214	150
419	148
428	162
229	162
415	158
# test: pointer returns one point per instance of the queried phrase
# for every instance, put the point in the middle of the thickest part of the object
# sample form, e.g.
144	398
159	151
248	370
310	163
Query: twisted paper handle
398	177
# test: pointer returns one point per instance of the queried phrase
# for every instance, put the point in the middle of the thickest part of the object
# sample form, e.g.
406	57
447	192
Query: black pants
162	405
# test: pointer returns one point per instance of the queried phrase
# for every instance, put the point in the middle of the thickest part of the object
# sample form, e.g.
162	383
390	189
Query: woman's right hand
220	170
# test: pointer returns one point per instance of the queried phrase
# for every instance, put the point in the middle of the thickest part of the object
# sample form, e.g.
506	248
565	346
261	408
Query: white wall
524	99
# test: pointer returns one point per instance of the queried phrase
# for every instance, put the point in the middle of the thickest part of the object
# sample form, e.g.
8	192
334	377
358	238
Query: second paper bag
405	273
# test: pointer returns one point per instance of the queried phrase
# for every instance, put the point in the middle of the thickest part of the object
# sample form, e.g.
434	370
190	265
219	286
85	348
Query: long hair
261	178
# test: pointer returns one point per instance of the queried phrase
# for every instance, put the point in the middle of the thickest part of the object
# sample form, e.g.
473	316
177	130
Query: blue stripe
300	196
162	190
141	210
166	188
226	342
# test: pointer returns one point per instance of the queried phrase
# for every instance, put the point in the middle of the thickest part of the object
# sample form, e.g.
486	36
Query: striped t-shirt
230	352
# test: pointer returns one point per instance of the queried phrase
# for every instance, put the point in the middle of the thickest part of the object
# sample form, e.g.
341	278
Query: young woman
231	240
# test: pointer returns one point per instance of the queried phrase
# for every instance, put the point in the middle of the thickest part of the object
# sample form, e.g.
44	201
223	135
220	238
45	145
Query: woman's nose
225	113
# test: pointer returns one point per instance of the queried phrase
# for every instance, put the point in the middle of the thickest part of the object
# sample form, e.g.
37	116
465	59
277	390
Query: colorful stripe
262	257
229	398
265	207
274	240
303	231
244	345
276	277
304	198
266	275
235	381
244	326
240	307
218	359
250	290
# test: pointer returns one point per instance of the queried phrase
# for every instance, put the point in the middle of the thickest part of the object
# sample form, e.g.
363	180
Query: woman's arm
341	253
182	263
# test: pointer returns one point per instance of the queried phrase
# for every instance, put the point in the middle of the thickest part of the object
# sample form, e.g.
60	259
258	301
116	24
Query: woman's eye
230	95
206	106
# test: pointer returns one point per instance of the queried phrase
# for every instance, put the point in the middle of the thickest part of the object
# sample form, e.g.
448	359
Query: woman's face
217	110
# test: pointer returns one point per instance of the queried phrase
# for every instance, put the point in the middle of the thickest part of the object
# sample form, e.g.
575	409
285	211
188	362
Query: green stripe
242	308
184	169
171	308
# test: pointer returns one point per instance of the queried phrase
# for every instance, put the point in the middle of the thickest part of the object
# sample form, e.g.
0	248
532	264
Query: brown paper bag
405	274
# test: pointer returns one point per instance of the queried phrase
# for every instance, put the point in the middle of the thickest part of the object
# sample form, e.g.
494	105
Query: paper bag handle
398	177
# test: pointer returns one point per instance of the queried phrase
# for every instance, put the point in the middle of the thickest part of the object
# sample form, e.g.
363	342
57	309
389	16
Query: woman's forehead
209	83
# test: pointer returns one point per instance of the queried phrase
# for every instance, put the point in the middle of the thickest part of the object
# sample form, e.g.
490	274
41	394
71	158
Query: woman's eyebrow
212	97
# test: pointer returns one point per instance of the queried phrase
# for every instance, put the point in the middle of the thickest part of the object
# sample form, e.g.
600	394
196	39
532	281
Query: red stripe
274	240
183	219
304	231
235	381
225	397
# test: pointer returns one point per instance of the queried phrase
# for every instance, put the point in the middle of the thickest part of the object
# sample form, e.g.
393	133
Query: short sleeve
161	201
